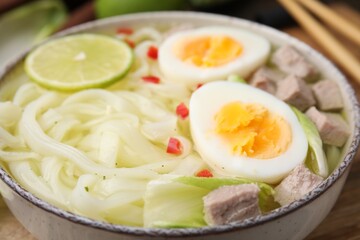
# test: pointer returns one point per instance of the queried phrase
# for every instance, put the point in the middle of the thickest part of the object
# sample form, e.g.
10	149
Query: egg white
255	51
209	99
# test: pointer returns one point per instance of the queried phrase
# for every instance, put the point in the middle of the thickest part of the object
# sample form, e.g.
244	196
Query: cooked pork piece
264	83
332	128
265	79
273	74
292	62
298	183
293	90
231	203
328	96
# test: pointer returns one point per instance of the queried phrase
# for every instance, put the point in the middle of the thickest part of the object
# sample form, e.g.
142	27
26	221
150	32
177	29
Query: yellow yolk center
208	51
252	131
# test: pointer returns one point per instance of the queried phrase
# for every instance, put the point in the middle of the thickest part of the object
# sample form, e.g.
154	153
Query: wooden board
343	222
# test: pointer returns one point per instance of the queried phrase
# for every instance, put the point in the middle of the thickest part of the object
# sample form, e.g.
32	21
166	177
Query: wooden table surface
343	222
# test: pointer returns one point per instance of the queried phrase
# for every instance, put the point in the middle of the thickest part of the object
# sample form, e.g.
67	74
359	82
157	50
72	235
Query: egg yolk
208	51
253	131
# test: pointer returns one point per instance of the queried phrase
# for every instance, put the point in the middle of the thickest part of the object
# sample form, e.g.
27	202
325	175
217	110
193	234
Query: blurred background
27	22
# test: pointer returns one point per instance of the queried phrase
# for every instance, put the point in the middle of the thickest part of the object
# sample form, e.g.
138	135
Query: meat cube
299	182
293	90
327	95
272	74
231	203
265	79
289	60
263	83
332	127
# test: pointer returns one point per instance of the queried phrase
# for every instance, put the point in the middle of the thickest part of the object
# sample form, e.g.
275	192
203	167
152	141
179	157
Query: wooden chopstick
340	24
332	46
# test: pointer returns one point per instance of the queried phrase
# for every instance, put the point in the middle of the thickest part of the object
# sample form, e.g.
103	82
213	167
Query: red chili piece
174	146
151	79
126	31
199	85
130	43
152	52
182	110
205	173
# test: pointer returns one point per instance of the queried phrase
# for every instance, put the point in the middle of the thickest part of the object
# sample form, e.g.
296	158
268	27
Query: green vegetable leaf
178	201
316	159
266	202
211	183
236	78
29	24
172	204
333	154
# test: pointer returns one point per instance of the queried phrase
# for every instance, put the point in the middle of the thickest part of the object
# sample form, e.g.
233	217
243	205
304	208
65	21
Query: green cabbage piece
333	154
316	159
178	202
236	78
169	204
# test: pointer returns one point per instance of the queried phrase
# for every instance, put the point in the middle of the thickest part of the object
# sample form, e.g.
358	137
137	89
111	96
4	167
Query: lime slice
79	61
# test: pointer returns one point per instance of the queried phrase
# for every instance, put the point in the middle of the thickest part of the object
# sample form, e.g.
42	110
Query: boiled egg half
211	53
241	131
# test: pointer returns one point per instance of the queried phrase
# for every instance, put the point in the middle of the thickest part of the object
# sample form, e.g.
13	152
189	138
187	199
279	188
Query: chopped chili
151	79
182	110
205	173
152	52
174	146
126	31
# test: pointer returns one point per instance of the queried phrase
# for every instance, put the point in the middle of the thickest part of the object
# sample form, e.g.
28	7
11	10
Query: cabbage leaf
169	204
333	154
236	78
177	202
316	159
266	202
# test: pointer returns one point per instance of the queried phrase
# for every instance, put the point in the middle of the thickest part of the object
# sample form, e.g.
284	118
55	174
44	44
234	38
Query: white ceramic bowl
294	221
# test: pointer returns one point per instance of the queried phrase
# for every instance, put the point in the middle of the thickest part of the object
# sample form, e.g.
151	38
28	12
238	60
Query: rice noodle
8	140
26	93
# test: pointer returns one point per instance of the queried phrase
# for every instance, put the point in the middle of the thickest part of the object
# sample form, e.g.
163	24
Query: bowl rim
189	232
